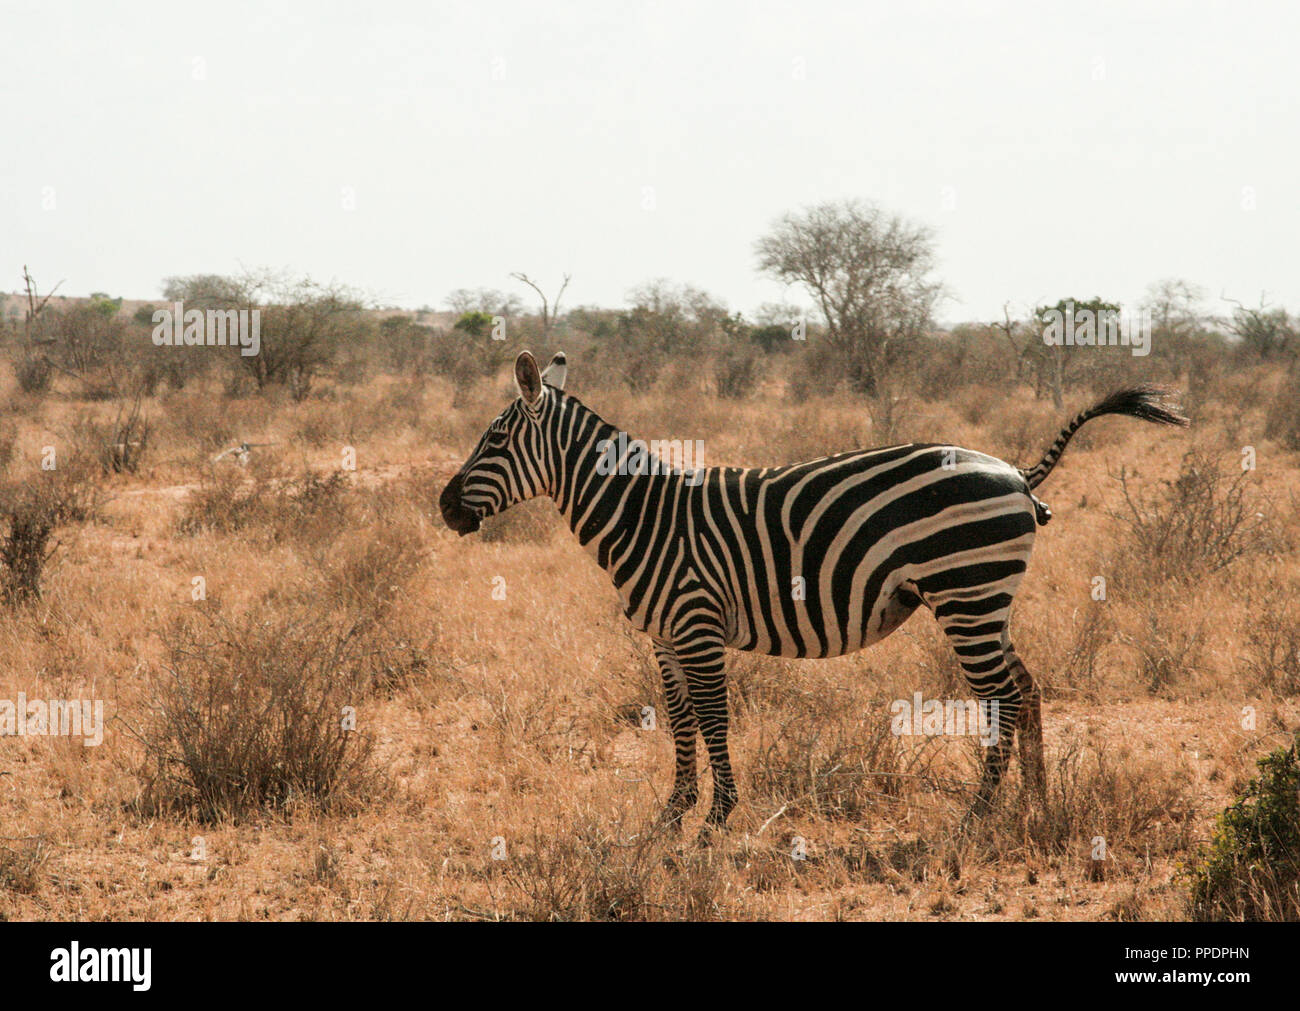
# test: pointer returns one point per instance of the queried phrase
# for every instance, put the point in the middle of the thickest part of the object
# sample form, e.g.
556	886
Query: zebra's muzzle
455	513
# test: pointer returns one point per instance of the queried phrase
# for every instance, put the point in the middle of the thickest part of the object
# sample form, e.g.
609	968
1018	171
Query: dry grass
493	677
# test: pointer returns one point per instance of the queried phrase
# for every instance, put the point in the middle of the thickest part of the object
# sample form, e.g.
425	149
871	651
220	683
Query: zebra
708	559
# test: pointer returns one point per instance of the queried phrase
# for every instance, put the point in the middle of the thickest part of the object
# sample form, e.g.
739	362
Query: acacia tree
303	322
1058	365
487	300
868	272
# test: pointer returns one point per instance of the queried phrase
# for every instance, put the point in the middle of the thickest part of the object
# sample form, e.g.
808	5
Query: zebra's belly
805	638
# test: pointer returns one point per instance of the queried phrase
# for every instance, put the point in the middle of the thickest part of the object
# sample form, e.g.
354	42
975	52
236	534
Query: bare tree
33	368
1020	338
1176	309
1268	332
35	304
84	340
868	272
550	313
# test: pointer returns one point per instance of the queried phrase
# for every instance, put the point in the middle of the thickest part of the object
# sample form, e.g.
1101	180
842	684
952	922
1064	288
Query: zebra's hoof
669	823
708	835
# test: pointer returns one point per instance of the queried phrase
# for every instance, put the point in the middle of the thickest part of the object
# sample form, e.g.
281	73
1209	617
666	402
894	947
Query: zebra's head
511	462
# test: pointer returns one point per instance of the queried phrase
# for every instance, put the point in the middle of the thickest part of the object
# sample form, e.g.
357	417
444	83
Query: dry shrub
1021	430
32	509
756	684
362	547
977	403
306	509
1202	521
317	424
364	578
588	872
367	567
736	372
1093	632
825	759
1168	646
1282	420
813	431
118	446
1136	804
8	443
891	412
1273	639
366	574
34	373
312	508
1251	870
396	659
813	371
546	723
21	864
250	715
223	503
196	416
23	553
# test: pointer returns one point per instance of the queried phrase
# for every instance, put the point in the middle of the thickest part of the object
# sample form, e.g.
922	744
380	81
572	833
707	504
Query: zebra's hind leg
992	670
1029	730
681	718
996	759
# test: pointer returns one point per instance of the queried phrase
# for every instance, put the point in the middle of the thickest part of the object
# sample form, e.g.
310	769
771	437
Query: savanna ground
497	691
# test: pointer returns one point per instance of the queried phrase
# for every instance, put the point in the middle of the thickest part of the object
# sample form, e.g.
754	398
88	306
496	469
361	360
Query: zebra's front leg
704	663
681	718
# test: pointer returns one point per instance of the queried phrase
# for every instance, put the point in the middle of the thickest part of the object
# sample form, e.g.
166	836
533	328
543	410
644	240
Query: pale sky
1081	149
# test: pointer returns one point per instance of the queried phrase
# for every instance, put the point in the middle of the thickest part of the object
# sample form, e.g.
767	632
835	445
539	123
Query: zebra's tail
1137	402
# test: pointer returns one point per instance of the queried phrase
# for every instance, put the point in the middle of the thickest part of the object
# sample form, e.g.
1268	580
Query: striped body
814	559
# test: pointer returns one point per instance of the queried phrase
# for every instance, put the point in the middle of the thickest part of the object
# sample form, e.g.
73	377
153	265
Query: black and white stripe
814	559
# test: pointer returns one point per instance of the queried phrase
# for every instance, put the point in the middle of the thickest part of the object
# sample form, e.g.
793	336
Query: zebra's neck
603	504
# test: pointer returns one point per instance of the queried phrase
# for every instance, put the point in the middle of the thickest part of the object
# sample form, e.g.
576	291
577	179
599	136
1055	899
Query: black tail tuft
1140	402
1143	402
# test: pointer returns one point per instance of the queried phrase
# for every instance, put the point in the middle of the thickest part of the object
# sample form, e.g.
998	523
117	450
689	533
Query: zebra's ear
527	379
557	371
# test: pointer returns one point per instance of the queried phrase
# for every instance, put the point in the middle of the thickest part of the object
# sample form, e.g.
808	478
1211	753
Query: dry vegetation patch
514	716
